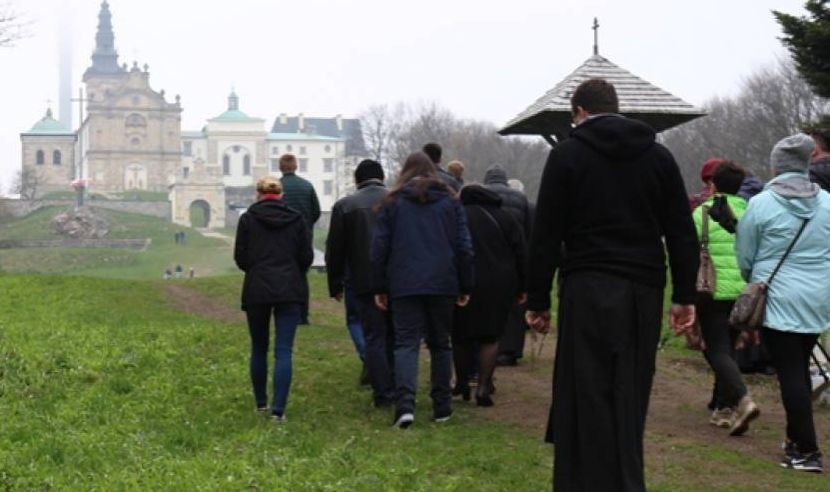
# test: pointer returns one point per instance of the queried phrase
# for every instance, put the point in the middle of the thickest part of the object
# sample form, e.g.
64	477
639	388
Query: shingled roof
351	132
551	113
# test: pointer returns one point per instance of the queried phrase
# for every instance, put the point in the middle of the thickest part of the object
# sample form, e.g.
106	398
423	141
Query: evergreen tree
808	40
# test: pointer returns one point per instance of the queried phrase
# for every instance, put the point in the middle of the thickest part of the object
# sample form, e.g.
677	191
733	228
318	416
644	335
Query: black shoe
484	400
462	391
403	419
803	462
506	360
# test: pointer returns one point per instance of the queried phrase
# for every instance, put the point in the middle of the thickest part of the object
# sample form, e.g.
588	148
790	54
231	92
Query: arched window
246	165
136	120
135	141
40	157
56	157
226	165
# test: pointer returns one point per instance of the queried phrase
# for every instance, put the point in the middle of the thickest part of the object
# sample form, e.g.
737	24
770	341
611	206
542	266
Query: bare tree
12	25
773	102
27	183
381	126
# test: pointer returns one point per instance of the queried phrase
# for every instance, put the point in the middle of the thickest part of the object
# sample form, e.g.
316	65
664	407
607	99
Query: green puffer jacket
728	281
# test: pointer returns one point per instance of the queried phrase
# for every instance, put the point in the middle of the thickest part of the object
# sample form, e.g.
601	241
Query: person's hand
682	318
339	296
462	300
521	298
748	339
538	321
382	302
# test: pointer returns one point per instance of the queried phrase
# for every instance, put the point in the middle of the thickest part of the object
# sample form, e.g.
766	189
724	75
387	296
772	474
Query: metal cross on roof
596	36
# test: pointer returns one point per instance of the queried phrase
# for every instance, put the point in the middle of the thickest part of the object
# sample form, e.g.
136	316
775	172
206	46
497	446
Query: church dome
48	125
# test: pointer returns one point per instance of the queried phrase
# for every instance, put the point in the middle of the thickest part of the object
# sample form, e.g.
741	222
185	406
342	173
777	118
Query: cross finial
596	36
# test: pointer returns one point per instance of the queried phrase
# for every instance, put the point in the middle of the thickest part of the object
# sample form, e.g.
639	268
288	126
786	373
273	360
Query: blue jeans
354	325
379	332
286	318
418	317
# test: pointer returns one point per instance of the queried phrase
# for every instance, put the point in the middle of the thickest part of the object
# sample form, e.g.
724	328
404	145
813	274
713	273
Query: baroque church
130	142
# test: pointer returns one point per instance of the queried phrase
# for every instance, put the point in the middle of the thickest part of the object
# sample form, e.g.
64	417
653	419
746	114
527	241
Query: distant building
131	139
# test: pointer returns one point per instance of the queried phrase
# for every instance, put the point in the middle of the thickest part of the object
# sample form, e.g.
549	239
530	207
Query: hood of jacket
796	193
433	190
273	214
615	136
479	195
495	174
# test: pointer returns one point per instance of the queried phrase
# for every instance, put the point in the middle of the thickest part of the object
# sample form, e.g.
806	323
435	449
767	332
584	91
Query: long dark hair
419	168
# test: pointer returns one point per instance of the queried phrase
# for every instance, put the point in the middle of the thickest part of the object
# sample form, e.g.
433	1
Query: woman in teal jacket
734	407
797	306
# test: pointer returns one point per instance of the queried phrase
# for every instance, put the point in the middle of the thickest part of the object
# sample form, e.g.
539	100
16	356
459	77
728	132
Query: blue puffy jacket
421	245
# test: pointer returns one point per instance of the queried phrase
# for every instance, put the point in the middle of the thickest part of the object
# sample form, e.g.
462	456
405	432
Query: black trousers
790	354
512	343
605	360
720	339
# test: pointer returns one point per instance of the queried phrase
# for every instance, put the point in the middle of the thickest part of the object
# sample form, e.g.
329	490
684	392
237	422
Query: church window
328	187
275	150
303	165
288	148
136	120
246	165
275	165
302	150
40	157
226	165
185	172
236	148
328	165
187	149
56	157
327	148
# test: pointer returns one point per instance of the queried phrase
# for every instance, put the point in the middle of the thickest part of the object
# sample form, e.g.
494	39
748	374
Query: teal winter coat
728	281
799	296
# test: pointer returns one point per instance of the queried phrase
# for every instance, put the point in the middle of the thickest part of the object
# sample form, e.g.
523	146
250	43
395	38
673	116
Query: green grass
208	256
129	196
104	387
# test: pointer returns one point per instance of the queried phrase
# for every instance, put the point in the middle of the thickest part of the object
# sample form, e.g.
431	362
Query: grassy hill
208	256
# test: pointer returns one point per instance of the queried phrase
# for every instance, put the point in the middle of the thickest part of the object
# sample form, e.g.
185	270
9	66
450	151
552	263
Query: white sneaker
404	420
722	417
278	418
746	412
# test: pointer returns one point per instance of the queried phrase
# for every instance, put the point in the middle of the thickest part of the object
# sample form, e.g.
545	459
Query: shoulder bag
706	272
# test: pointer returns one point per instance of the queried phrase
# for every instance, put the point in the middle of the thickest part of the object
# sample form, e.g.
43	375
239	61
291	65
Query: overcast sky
481	59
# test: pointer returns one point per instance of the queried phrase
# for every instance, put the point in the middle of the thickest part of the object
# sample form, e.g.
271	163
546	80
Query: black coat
500	258
352	224
421	245
273	250
820	173
612	196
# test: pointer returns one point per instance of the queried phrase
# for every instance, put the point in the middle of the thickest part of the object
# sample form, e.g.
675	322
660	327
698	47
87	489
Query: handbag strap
494	221
789	248
704	235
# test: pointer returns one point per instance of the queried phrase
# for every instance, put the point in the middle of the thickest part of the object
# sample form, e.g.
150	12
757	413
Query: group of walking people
429	260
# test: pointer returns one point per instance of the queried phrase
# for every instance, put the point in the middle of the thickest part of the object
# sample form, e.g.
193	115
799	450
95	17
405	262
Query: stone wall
137	244
19	208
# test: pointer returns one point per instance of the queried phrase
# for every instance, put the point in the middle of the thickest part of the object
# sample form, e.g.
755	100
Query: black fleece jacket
616	201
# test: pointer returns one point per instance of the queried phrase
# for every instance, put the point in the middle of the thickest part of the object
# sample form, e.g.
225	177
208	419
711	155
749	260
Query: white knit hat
792	154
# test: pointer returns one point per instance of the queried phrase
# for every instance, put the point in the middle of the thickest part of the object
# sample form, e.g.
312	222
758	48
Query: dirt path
677	426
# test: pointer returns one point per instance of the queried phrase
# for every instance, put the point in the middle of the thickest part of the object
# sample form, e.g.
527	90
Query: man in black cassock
611	203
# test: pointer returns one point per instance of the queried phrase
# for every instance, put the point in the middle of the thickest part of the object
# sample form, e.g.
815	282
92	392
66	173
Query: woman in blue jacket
422	266
797	310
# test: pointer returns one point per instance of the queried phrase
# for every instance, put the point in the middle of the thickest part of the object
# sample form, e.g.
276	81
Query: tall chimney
339	120
283	119
65	65
300	122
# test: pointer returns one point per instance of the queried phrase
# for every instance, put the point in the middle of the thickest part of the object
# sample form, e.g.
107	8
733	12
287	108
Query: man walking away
514	202
299	194
434	151
348	268
611	196
820	158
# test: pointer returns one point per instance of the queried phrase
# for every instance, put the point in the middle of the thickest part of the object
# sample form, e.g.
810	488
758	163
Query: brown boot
746	412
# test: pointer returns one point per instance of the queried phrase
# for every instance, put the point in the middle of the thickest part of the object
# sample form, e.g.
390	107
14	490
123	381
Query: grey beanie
792	154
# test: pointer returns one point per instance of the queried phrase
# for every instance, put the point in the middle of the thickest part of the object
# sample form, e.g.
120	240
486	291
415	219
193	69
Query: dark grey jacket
512	201
350	236
820	173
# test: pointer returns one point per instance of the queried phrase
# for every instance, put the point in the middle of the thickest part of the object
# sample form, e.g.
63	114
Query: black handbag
750	307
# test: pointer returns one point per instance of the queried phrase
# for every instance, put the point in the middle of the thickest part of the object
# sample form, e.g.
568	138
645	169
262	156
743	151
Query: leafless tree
381	126
12	25
27	183
773	102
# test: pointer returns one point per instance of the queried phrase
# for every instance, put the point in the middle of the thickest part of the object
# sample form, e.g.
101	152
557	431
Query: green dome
48	125
232	115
